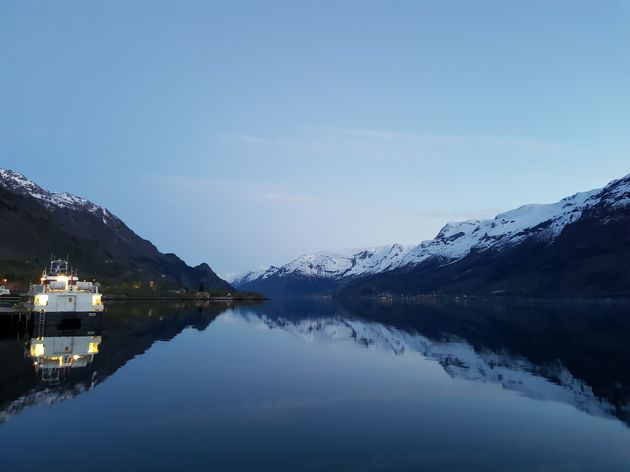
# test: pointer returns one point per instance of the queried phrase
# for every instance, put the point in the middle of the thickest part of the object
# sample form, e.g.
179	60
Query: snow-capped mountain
335	265
18	183
545	222
540	223
99	243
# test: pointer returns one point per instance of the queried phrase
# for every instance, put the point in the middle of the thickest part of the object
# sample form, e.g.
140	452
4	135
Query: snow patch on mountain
546	222
18	183
334	265
456	240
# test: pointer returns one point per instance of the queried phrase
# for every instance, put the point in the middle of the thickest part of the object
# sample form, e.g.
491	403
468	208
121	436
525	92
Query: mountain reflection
574	353
55	359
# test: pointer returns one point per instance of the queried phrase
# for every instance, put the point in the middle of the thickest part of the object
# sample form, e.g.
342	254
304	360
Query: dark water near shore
312	385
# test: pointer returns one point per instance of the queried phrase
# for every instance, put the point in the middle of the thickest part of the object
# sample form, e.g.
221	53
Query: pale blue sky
245	133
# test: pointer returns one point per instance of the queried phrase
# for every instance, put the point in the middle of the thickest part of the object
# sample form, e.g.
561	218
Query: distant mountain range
37	223
323	272
579	246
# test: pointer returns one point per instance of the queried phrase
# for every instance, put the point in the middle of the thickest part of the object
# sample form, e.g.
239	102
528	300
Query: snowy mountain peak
18	183
331	265
456	240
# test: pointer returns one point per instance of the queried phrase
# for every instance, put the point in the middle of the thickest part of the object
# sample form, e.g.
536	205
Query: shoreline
196	299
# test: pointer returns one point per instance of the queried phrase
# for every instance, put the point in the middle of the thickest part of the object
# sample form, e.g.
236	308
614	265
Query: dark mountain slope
35	223
590	258
576	246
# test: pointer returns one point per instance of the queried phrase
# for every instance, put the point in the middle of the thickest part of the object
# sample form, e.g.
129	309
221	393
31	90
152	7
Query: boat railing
48	288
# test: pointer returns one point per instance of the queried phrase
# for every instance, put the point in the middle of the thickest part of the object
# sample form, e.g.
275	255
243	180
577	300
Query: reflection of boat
131	328
61	343
60	291
52	355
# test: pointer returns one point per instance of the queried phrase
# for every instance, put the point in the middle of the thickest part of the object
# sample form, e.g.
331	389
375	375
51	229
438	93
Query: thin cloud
477	140
464	214
212	186
243	138
288	198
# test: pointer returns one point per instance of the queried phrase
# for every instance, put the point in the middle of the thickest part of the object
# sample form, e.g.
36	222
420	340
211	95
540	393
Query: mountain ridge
100	244
533	224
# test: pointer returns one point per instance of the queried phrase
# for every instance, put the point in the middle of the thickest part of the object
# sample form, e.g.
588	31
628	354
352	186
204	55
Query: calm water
305	385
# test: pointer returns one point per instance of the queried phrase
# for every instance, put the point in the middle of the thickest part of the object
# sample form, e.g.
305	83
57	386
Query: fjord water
313	385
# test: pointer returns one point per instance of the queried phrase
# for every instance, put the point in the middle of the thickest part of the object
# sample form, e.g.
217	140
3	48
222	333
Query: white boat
4	292
60	291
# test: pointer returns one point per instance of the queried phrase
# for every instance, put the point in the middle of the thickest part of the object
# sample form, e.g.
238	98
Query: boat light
96	300
41	300
64	280
37	350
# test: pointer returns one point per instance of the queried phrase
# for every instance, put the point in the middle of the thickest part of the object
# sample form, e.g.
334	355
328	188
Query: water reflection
572	353
314	385
63	342
569	352
53	358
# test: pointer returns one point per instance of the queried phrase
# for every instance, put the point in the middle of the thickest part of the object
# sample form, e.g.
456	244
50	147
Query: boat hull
78	313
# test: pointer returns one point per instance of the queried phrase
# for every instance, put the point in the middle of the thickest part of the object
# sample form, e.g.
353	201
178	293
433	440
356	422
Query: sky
247	133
